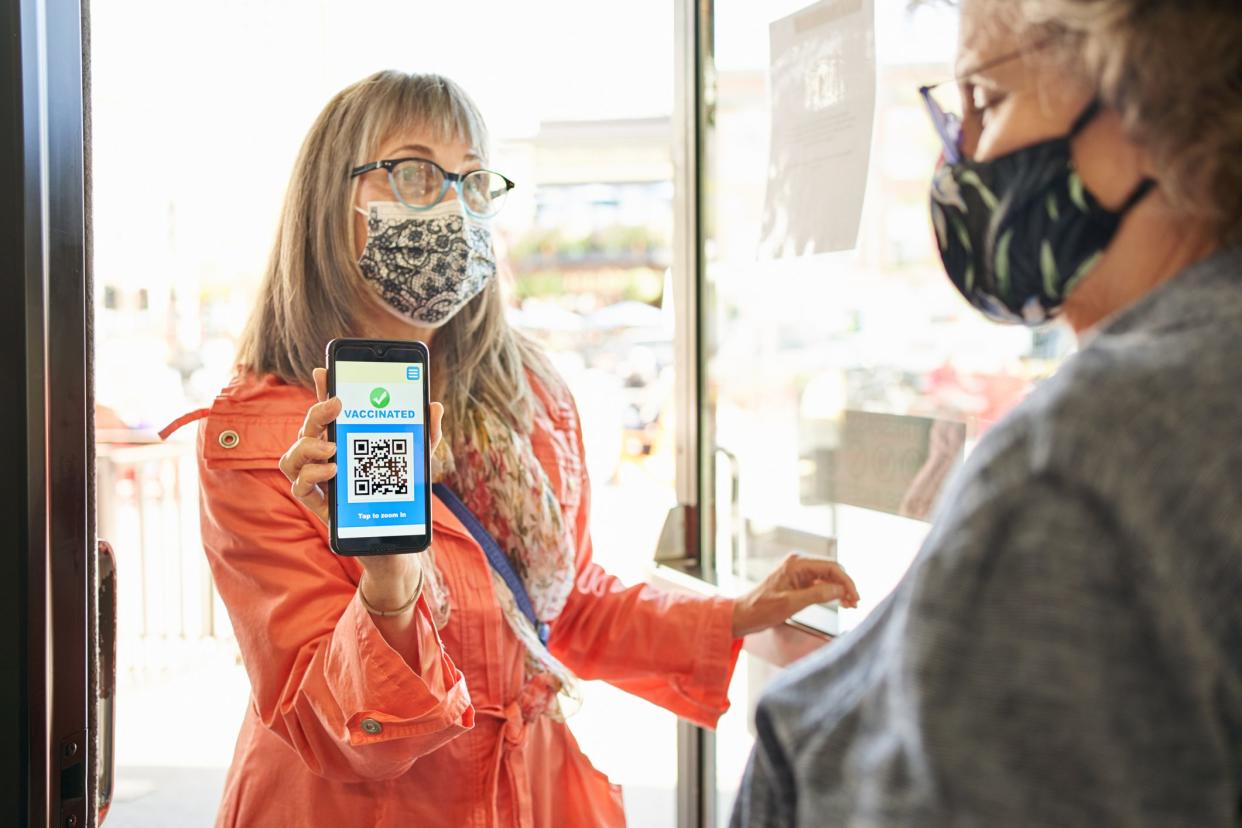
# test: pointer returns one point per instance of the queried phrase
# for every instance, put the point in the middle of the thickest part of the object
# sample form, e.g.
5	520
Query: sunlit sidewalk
176	724
177	734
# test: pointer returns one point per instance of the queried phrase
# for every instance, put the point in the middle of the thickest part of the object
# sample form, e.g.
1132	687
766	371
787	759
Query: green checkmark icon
380	398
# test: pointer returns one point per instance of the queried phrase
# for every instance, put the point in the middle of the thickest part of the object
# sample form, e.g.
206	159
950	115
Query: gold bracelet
418	589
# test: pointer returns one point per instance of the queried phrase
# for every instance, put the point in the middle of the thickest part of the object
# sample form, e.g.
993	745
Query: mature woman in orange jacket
407	689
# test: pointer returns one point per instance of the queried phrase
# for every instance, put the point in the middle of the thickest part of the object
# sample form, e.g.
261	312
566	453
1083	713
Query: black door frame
46	440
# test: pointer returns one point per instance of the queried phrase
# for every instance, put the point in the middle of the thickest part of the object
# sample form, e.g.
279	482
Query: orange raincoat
341	730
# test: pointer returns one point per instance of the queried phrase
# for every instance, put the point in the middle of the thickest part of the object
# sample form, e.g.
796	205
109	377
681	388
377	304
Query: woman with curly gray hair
1066	650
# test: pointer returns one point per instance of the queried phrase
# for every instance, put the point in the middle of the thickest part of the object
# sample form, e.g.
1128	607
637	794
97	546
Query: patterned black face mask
1019	232
426	265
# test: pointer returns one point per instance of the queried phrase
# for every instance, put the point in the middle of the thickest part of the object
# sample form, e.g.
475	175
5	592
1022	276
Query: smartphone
380	501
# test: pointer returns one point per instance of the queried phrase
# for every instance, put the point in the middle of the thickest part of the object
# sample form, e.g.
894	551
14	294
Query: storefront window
844	388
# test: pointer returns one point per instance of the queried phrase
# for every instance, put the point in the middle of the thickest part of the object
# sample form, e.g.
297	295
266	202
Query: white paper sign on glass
822	86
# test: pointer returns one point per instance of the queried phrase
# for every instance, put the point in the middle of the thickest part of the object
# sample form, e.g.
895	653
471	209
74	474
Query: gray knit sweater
1066	649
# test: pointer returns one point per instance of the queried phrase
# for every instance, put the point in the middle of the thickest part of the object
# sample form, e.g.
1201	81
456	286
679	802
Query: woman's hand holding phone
388	580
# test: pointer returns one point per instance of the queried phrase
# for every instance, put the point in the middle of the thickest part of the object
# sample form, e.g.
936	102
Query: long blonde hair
313	290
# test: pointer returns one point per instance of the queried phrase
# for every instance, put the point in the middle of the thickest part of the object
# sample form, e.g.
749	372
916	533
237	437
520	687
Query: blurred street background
198	112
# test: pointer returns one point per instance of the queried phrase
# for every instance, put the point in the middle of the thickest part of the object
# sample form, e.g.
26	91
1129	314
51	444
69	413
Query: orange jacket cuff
375	685
707	685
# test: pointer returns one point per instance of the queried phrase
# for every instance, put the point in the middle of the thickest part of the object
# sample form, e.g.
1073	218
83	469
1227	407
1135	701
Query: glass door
840	390
583	125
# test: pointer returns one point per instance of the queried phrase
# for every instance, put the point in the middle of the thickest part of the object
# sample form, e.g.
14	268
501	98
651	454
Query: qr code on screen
380	467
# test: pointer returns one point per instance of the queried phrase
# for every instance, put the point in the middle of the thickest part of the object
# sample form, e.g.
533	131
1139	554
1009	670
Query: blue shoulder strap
495	555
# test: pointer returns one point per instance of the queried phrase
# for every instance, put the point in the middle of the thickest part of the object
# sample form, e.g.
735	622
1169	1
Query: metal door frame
47	569
693	541
688	544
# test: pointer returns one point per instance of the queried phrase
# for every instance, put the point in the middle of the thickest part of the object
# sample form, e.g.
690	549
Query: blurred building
597	216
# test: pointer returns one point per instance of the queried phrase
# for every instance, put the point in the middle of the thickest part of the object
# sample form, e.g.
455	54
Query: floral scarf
493	469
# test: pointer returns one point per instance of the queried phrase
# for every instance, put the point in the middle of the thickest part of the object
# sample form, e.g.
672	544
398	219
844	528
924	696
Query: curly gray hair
1173	69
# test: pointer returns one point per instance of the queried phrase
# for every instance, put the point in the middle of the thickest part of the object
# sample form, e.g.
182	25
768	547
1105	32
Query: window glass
844	389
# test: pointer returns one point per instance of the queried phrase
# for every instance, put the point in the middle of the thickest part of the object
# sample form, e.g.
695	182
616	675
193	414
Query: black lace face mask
426	265
1019	232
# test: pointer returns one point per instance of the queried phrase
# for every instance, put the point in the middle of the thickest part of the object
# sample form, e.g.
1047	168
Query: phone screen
381	490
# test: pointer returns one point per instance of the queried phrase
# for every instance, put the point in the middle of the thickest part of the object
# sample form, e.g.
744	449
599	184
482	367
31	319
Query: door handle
737	549
106	681
678	544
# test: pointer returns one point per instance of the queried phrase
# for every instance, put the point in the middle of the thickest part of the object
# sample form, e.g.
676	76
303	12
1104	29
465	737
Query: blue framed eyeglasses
421	184
948	125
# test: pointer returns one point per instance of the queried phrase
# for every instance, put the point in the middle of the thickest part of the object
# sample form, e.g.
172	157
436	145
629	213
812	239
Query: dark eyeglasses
421	184
948	123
